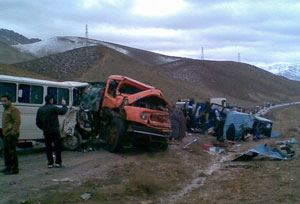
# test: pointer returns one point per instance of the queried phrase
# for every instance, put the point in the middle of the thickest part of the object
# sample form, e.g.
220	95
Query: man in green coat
11	122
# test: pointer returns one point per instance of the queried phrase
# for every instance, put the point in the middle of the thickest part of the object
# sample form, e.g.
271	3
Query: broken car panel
245	123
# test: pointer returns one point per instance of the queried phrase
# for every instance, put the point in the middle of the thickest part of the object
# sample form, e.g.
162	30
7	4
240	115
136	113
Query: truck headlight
144	116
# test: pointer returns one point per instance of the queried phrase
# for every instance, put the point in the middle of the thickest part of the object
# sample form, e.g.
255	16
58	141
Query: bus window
76	100
30	94
8	88
59	94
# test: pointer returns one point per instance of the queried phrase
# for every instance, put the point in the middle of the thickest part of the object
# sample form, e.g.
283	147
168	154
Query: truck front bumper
144	130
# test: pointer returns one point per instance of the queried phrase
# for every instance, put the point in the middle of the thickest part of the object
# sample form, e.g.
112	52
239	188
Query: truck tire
115	134
72	142
1	145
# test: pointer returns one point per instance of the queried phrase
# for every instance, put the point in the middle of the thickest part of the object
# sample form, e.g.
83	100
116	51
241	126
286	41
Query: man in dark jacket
11	122
47	120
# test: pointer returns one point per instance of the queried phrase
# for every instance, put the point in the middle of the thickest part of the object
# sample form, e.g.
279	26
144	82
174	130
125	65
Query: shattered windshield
153	103
129	89
92	99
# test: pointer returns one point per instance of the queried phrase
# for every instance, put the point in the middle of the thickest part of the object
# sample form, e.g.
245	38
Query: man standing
47	120
11	122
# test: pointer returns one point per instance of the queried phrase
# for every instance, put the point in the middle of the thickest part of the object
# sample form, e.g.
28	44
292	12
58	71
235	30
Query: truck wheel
1	145
114	134
72	142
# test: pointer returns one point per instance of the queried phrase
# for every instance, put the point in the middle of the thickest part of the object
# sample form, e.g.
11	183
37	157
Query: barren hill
241	83
238	80
6	69
98	62
9	54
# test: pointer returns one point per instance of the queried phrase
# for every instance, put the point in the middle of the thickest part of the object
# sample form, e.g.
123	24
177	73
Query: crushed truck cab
141	111
129	111
142	106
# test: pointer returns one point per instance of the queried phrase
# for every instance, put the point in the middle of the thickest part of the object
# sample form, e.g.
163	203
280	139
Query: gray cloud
262	31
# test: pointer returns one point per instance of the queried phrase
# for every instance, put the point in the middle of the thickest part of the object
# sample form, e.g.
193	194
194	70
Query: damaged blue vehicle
237	125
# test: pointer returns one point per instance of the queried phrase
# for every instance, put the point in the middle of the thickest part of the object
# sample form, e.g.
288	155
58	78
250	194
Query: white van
218	103
29	94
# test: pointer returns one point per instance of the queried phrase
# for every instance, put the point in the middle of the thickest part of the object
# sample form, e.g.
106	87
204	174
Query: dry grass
285	120
268	181
144	182
149	177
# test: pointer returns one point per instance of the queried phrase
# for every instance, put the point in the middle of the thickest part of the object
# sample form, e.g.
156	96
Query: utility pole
202	54
86	34
239	57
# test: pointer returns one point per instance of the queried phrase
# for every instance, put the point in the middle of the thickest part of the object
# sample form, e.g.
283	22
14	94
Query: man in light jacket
11	122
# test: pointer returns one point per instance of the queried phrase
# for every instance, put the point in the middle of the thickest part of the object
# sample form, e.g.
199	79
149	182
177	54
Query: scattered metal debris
262	149
212	150
216	150
63	180
239	166
289	141
193	141
86	196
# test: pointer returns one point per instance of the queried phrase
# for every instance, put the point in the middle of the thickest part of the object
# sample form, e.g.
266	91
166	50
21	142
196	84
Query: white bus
29	94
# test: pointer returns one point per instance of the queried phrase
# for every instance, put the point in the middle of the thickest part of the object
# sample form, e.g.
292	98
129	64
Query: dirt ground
176	176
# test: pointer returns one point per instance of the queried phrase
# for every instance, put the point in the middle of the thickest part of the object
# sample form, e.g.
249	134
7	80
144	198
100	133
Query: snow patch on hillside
53	46
62	44
290	71
166	59
114	47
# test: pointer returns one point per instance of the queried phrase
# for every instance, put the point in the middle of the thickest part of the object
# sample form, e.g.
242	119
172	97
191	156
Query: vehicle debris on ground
272	152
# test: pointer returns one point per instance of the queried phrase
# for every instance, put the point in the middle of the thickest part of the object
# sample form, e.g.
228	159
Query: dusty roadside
129	177
262	180
174	176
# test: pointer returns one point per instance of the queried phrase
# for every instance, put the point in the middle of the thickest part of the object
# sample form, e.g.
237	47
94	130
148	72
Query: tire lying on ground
72	142
115	134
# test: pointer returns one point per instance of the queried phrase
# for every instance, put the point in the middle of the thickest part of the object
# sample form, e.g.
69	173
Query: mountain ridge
10	37
81	59
288	70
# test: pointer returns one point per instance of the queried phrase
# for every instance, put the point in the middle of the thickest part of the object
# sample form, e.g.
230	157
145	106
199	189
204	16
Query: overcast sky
262	31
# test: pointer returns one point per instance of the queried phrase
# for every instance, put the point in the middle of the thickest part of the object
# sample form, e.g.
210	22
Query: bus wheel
115	133
72	142
1	145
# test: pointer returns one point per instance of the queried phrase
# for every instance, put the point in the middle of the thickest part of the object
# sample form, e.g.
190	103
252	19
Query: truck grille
159	118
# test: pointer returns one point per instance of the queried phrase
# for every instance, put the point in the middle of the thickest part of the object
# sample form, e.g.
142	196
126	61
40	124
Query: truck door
110	95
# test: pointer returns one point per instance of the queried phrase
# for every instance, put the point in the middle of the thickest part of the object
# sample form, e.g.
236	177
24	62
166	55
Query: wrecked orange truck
129	111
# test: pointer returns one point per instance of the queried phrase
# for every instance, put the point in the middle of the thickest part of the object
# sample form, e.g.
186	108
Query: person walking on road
47	120
11	122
